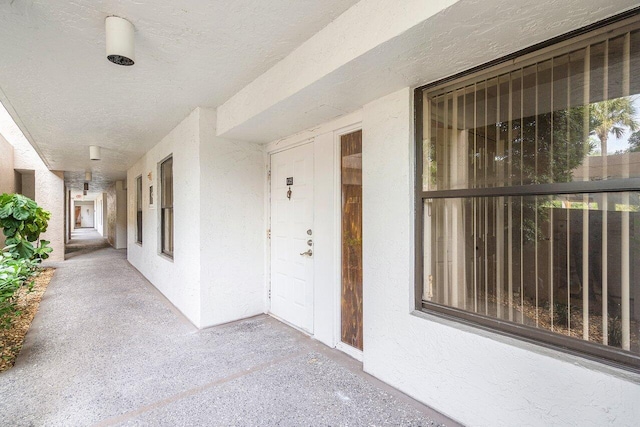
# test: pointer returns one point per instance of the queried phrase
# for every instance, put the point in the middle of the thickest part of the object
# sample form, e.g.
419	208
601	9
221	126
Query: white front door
292	236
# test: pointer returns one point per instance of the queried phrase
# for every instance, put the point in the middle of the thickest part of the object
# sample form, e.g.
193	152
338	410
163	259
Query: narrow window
139	209
529	197
351	302
166	184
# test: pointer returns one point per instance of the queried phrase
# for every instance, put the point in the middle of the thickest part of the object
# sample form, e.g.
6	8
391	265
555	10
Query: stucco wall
7	174
101	218
121	216
116	224
48	189
232	232
50	195
478	378
178	278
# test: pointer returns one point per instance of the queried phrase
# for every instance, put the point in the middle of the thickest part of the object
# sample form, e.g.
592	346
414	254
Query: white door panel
291	218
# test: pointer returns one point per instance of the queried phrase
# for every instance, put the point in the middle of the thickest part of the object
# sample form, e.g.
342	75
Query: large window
139	209
166	211
528	198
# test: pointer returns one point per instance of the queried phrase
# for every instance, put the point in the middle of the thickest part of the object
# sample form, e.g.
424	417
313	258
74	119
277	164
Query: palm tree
613	116
634	142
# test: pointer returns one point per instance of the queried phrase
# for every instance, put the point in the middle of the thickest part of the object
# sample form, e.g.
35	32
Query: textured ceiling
60	89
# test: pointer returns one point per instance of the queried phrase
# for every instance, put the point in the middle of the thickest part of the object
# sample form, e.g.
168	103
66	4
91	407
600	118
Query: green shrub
22	221
14	273
614	332
562	313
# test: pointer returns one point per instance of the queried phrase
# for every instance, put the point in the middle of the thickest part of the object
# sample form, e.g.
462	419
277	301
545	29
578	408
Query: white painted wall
48	186
7	174
116	212
101	217
324	239
232	225
178	278
217	273
478	378
48	189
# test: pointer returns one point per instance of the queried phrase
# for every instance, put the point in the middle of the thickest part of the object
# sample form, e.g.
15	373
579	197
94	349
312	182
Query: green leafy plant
14	273
22	221
562	313
614	332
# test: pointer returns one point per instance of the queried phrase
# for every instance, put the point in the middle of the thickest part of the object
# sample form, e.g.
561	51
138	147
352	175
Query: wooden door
78	214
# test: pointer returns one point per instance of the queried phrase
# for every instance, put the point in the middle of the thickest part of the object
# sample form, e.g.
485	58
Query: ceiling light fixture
86	186
120	44
94	152
87	176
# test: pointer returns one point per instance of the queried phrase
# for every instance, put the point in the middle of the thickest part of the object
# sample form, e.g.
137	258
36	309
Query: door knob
307	253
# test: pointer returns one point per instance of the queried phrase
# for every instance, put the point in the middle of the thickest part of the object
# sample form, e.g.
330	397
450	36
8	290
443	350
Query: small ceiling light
120	45
87	176
84	193
86	186
94	152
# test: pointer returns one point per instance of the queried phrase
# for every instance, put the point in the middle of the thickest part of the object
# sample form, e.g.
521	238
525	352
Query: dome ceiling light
120	43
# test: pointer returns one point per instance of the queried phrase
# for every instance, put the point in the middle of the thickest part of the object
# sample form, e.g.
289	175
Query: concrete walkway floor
107	349
84	240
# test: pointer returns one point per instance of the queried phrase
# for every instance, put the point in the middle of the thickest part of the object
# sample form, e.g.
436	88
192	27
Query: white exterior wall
49	186
102	218
7	173
325	228
217	273
49	192
50	195
476	377
116	211
232	233
178	278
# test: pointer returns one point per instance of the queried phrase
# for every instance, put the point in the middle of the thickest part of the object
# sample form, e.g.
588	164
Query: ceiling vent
120	45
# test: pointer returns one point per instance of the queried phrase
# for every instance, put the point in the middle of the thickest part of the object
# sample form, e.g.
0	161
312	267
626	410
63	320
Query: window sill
574	357
166	257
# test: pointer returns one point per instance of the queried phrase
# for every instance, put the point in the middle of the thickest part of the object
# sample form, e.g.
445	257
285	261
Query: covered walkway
107	349
84	240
